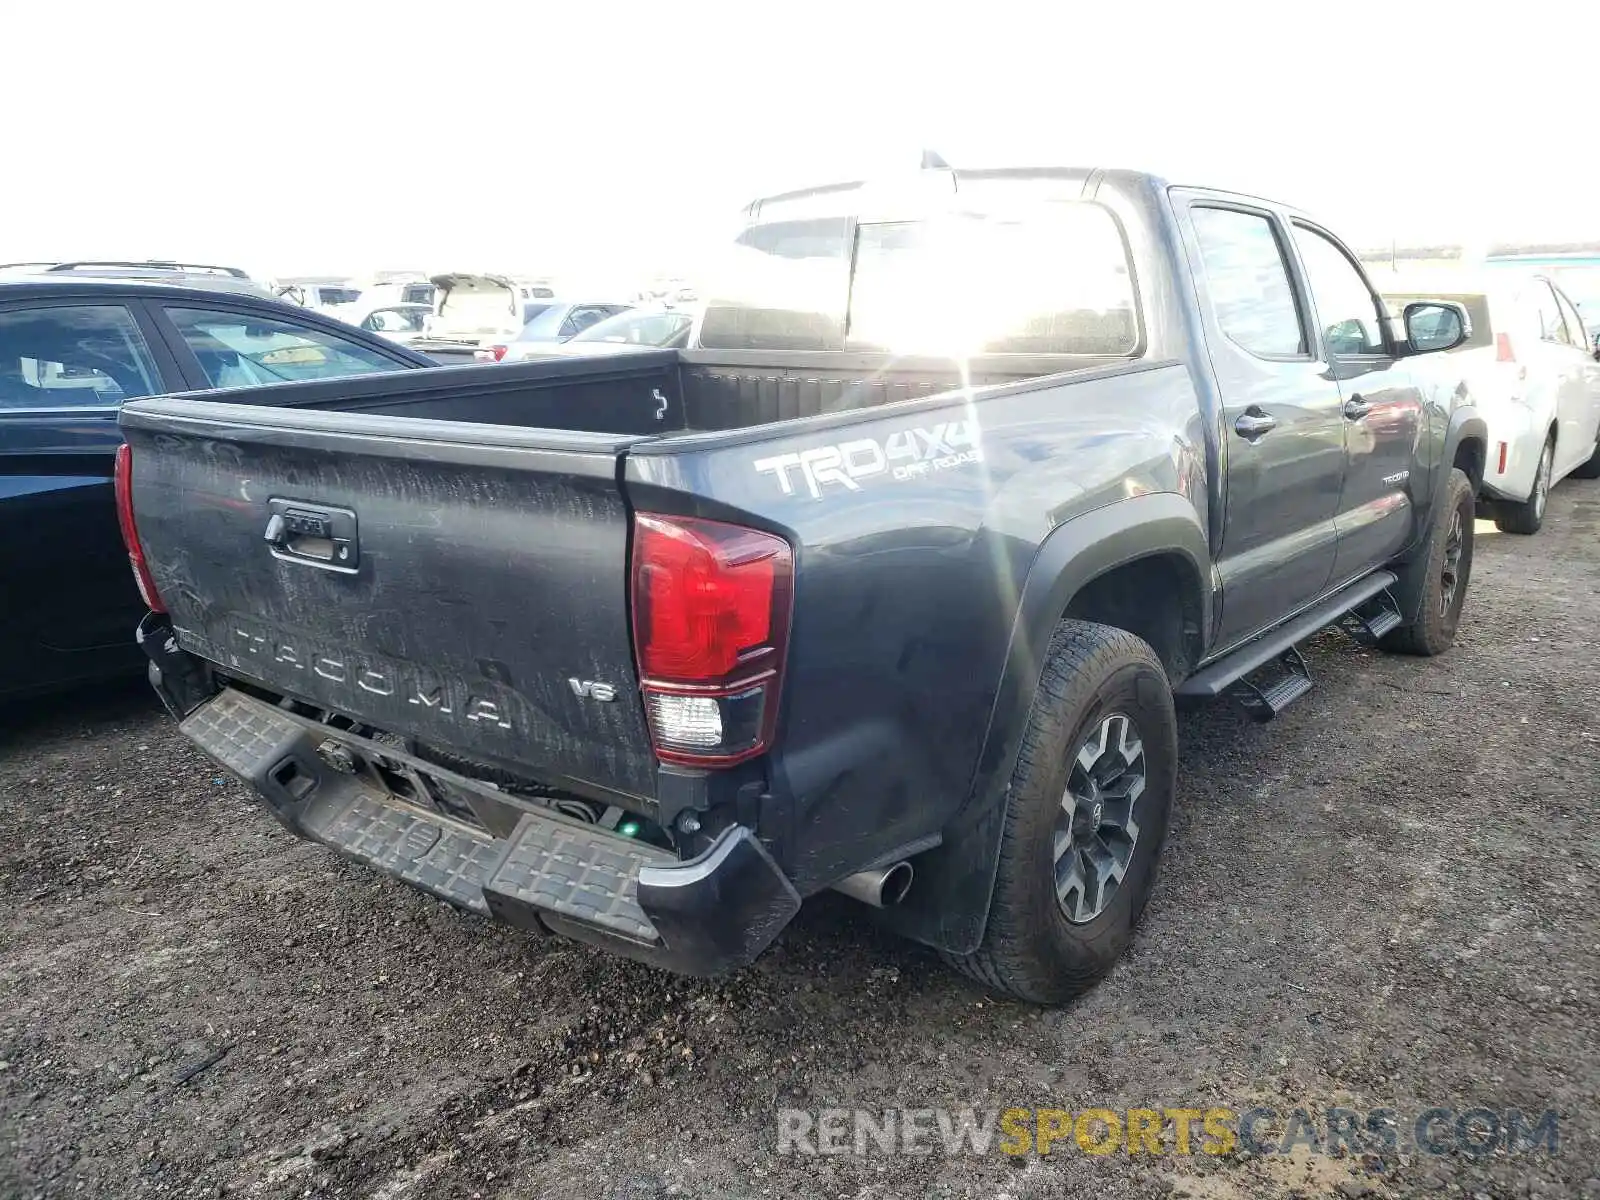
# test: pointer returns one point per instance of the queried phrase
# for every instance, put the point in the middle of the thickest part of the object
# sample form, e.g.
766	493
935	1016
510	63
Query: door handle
1253	424
1355	408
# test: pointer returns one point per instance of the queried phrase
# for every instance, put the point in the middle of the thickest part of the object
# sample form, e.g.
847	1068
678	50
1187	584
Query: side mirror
1434	325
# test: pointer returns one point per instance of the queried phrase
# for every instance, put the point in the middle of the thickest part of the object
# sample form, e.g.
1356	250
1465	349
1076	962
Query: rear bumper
1516	426
509	860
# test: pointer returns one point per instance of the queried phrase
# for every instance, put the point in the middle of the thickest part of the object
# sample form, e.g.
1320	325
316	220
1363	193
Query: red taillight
710	627
122	482
489	354
1502	348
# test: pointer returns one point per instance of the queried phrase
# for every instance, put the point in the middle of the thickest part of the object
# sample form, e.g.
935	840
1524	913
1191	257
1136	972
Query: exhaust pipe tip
896	883
881	887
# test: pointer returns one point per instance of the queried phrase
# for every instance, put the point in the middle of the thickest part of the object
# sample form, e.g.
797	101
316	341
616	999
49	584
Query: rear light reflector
122	485
711	608
1501	469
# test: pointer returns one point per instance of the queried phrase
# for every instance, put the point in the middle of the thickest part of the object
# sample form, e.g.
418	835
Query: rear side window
1247	280
73	356
782	286
240	350
1575	325
1552	326
1051	281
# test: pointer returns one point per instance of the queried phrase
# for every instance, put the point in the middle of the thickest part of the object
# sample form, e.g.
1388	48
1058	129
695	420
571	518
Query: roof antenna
931	160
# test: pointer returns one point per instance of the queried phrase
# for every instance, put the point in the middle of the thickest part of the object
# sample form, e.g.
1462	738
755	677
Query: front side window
73	356
395	320
1050	281
244	349
1247	280
1351	319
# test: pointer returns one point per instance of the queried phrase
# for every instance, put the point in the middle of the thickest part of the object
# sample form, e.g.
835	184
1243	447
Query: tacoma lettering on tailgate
251	646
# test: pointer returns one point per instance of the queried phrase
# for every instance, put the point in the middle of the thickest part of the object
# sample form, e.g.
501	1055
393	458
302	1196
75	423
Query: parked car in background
1577	275
399	322
399	291
475	310
1530	365
634	329
72	349
321	294
194	275
591	327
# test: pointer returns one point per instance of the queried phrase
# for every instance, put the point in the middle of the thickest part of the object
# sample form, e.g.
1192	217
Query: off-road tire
1435	628
1030	951
1527	516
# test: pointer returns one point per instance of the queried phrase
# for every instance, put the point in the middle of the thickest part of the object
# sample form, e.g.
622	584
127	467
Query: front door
1381	405
68	602
1284	433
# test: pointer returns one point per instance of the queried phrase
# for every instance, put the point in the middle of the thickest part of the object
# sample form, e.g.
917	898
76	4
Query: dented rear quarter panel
909	573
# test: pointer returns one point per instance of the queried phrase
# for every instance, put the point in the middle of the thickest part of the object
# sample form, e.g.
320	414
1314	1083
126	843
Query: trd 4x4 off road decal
905	454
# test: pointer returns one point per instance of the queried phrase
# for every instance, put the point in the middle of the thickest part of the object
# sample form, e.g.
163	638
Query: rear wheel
1447	570
1591	468
1527	517
1087	814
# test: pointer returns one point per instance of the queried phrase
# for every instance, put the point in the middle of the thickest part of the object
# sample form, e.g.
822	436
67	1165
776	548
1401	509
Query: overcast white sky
289	136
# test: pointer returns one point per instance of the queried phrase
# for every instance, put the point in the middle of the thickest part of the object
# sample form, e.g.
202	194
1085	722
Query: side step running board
1265	701
1219	677
1370	621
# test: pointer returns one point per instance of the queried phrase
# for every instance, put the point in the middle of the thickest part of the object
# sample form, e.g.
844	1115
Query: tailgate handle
316	535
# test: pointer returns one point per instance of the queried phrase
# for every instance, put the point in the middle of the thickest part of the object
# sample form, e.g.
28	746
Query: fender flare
949	906
1465	425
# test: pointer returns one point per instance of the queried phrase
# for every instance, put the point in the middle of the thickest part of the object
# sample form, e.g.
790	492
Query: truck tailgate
463	585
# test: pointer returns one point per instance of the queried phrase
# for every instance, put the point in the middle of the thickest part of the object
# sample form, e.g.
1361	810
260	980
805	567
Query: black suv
73	347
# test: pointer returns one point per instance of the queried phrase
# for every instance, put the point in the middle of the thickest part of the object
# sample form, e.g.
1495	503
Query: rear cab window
73	356
1050	278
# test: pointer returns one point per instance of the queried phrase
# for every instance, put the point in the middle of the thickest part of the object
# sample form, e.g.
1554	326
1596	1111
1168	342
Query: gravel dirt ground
1387	898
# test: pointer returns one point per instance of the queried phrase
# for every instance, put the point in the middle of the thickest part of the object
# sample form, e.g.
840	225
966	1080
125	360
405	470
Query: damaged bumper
505	858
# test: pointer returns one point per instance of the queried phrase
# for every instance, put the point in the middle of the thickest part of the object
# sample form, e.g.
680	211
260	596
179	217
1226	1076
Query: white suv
1532	371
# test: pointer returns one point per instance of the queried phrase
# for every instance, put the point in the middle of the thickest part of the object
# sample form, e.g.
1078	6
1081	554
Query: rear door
1579	398
1380	402
464	586
1283	429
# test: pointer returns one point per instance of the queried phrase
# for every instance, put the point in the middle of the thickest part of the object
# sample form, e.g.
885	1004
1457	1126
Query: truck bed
652	392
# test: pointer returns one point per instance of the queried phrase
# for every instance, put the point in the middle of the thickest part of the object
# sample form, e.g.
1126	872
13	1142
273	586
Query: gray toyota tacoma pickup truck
888	585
